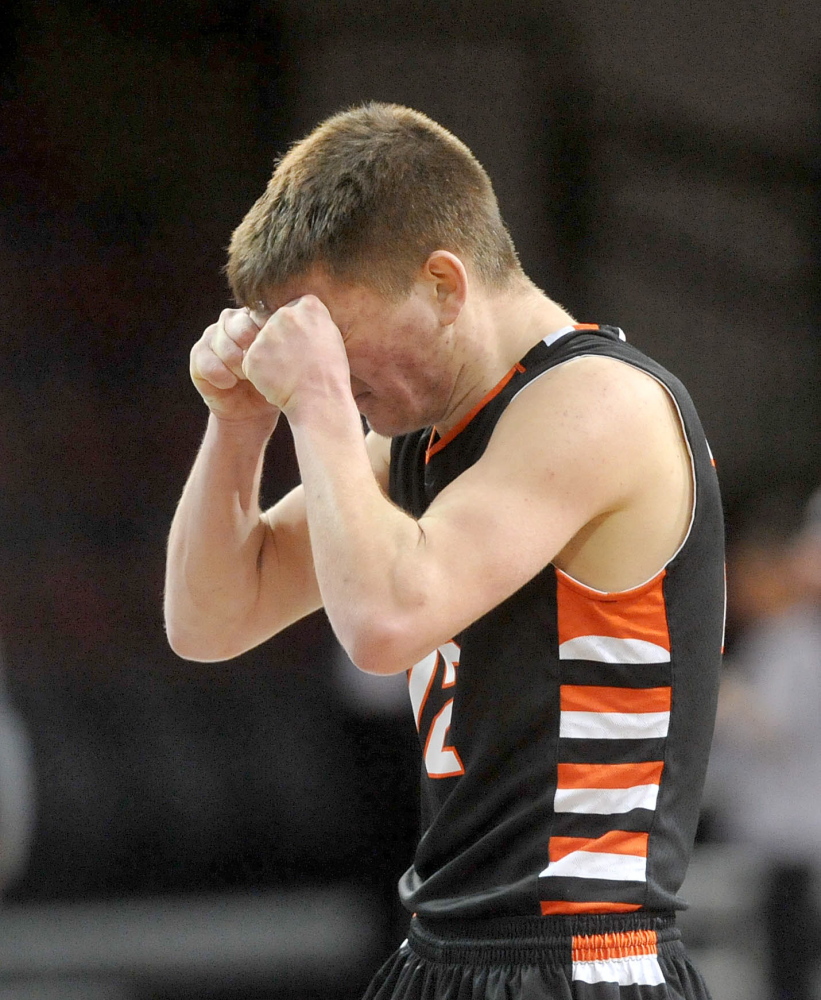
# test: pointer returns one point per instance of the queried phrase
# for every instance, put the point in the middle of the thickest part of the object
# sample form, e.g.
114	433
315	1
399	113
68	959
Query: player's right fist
216	368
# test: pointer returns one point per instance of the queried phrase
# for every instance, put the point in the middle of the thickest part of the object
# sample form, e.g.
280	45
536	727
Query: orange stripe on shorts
603	947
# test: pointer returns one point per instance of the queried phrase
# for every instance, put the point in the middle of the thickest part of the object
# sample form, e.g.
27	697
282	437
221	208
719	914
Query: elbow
181	639
190	647
383	648
187	650
197	644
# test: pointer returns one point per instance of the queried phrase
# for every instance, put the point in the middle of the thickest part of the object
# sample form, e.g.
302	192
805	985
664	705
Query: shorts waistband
527	940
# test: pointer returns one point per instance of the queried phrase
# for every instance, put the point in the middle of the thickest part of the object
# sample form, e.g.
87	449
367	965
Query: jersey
565	734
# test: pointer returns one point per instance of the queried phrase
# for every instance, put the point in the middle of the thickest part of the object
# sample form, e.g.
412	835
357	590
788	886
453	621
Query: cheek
400	370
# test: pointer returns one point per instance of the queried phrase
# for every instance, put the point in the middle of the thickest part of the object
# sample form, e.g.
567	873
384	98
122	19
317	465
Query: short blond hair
368	196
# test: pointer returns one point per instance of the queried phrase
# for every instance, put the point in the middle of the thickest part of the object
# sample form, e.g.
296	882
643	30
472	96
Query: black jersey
565	734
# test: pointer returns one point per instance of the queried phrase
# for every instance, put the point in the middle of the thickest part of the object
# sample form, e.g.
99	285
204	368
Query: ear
448	280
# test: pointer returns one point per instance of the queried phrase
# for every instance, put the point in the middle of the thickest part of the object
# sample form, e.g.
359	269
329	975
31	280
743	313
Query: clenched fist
216	368
298	356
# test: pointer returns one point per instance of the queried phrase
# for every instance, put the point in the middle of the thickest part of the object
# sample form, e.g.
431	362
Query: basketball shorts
588	957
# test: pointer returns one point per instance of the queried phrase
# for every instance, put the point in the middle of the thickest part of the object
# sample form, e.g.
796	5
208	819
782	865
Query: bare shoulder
568	449
592	413
594	387
606	438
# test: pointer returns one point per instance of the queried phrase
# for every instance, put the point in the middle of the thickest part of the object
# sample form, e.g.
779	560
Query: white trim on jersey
567	330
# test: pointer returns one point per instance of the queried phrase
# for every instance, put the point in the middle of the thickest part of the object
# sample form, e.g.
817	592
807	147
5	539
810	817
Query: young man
531	529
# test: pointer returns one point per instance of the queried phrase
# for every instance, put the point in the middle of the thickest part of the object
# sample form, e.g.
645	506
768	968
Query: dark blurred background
658	165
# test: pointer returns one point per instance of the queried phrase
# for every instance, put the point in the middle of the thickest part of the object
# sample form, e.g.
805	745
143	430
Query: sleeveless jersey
565	734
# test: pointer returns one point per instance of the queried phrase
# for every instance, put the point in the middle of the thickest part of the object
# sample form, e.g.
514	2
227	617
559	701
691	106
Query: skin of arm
568	450
236	576
223	556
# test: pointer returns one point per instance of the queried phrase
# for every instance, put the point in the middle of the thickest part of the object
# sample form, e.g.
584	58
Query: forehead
341	298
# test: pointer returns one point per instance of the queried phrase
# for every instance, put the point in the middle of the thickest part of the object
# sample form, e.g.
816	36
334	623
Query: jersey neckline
436	443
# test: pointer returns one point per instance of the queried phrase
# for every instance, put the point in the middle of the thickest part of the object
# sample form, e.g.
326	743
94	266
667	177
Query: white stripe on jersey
606	649
599	864
605	800
613	725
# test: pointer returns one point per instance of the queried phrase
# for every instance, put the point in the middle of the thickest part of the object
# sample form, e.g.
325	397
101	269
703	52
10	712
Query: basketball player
531	530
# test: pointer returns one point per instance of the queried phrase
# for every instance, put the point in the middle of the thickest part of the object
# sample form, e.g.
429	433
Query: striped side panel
615	701
626	959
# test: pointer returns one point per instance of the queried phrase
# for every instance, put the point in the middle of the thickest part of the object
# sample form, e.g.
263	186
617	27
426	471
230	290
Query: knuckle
207	365
208	335
222	344
240	329
218	375
197	352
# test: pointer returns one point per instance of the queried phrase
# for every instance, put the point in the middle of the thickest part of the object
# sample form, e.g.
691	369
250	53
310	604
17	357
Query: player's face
400	356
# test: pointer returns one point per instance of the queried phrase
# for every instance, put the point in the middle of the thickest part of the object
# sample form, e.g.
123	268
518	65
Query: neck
494	331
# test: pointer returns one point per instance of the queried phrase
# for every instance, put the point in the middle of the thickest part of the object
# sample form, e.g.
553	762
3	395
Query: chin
385	428
391	420
390	425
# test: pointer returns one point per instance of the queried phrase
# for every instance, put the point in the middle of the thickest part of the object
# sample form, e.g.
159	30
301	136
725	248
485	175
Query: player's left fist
298	355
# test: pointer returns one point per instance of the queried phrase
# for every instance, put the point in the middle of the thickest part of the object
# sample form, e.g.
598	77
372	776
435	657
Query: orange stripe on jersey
589	698
631	614
434	446
586	326
604	947
612	842
553	907
610	775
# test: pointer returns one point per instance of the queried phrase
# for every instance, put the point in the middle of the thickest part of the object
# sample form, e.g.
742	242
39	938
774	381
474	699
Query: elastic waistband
529	940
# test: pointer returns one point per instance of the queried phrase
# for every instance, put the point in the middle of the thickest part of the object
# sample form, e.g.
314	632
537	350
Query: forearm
217	535
368	555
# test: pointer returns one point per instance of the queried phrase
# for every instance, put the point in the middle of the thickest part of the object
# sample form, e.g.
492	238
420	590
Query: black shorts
590	957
